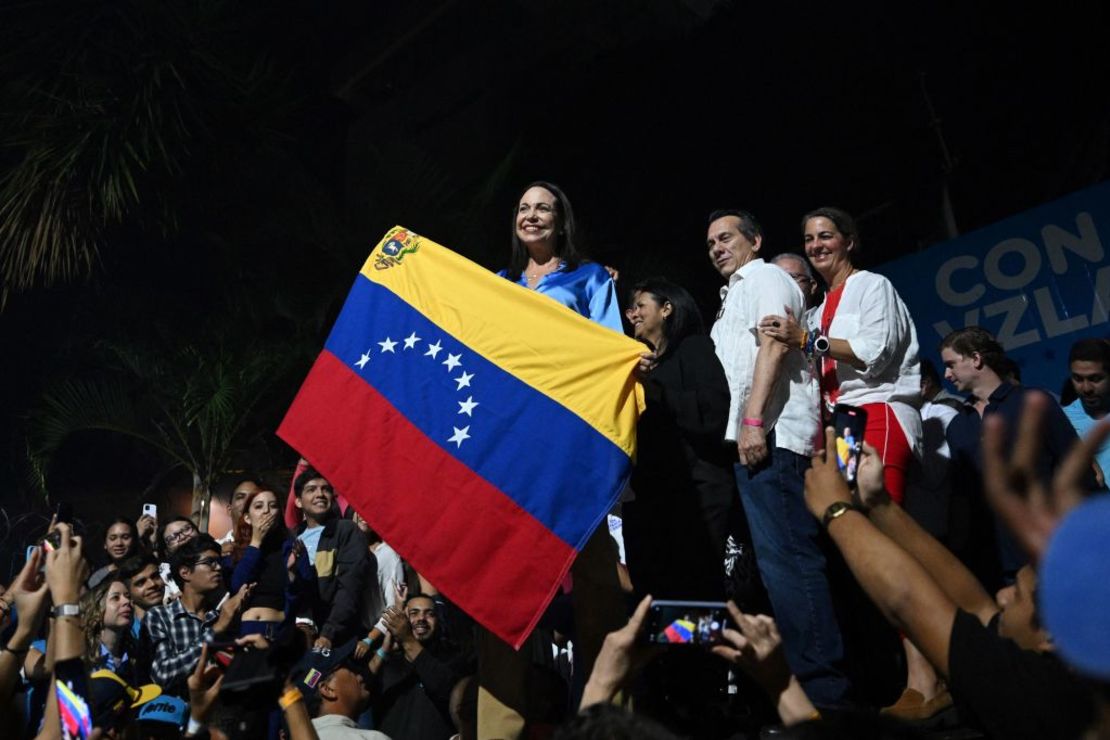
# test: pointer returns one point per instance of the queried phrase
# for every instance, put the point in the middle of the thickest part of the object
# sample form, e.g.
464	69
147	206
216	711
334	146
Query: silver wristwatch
65	610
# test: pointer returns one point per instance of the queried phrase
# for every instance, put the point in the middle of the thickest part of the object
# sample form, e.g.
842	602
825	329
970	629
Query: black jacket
341	566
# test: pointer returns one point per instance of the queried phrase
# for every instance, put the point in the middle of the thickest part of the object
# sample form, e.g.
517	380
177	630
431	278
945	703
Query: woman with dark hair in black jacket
676	528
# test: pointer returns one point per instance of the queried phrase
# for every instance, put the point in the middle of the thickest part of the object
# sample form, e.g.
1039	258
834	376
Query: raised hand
1015	489
204	686
66	569
824	483
756	647
869	478
28	594
397	624
620	657
260	530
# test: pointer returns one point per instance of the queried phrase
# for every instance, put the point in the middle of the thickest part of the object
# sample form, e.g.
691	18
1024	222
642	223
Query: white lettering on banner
992	267
950	295
1054	326
1086	244
1014	308
1058	242
1101	308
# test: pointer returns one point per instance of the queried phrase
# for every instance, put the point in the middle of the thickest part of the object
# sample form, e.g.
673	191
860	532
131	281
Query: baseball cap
168	710
317	663
110	697
1074	588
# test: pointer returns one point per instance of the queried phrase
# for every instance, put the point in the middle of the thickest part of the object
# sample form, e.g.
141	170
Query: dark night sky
649	114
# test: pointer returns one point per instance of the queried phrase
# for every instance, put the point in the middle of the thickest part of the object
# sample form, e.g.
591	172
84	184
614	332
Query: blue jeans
792	566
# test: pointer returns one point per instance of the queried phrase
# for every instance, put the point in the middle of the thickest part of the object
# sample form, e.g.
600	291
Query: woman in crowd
871	357
106	615
264	555
864	349
121	541
675	529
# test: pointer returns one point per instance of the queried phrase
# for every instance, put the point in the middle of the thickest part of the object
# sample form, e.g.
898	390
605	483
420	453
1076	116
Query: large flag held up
482	429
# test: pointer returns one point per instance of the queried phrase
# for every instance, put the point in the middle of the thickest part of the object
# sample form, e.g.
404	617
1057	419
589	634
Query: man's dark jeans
792	565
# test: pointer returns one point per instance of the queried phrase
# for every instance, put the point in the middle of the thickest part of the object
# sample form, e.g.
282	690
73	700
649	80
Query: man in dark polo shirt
974	362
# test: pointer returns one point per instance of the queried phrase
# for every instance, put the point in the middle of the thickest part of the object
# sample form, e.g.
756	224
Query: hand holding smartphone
685	623
849	423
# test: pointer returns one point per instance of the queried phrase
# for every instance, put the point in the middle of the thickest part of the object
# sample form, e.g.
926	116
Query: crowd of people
301	622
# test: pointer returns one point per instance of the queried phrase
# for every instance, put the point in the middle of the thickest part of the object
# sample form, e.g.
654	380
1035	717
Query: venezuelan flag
680	630
483	430
73	712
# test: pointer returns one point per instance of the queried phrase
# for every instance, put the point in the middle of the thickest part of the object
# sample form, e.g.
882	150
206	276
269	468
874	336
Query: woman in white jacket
863	344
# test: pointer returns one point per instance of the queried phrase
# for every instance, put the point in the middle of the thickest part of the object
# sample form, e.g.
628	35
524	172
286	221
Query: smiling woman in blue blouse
545	257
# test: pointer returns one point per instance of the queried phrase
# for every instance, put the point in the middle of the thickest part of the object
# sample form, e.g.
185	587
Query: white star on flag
464	380
363	360
465	407
433	350
387	345
459	436
411	340
452	361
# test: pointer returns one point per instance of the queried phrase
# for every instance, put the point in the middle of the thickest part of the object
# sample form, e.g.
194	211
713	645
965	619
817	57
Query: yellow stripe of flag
522	332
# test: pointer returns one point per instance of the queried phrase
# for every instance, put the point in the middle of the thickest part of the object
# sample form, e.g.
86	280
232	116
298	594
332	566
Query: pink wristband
752	422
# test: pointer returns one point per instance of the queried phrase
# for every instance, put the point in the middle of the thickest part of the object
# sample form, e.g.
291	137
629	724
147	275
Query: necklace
544	270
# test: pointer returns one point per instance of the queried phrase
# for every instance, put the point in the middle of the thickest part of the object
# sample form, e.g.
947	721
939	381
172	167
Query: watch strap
836	510
66	610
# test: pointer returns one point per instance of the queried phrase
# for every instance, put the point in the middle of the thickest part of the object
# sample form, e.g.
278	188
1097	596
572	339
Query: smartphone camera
685	623
849	423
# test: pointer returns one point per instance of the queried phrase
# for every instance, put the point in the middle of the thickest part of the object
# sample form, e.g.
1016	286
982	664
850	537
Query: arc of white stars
460	436
363	360
433	350
387	345
452	361
467	406
464	380
411	340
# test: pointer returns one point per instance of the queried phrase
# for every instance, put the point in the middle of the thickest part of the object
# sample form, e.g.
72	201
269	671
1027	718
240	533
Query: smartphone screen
849	423
71	693
685	623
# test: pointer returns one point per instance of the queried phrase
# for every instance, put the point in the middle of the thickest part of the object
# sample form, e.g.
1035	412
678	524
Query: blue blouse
587	290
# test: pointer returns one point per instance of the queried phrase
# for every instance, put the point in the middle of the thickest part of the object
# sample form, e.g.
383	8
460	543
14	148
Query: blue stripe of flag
547	459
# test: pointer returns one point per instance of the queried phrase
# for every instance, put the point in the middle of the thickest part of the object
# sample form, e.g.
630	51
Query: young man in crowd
179	629
773	418
144	580
336	693
239	494
1089	376
976	364
995	654
413	684
338	552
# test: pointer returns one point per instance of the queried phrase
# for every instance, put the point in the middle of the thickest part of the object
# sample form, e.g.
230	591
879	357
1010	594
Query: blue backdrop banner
1038	281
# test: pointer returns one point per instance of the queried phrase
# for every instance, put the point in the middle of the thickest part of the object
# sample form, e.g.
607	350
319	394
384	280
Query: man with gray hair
801	273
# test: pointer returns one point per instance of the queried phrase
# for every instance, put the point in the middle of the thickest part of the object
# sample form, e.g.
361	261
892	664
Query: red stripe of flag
396	477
